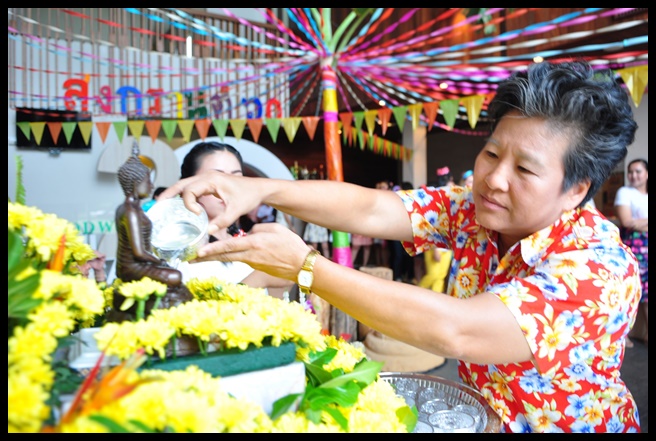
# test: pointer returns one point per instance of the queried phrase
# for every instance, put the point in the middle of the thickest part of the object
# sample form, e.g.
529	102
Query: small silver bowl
177	232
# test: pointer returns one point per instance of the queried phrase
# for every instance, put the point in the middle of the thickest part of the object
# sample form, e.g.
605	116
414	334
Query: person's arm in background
624	214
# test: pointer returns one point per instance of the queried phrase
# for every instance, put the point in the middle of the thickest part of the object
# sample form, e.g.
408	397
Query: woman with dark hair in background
631	207
223	158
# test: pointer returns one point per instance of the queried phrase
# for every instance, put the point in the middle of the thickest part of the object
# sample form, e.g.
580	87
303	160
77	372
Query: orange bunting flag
255	126
385	114
152	127
103	129
310	123
473	104
203	127
347	120
430	109
55	129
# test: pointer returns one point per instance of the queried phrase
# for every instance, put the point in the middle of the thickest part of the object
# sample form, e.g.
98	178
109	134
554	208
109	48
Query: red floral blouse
573	287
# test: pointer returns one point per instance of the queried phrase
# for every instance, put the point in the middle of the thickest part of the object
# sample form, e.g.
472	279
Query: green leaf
338	417
323	357
316	375
346	395
283	405
112	425
407	416
365	372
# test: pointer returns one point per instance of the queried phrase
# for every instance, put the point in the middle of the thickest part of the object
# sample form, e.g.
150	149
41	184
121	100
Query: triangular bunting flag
255	126
221	127
25	128
169	126
361	138
136	127
69	128
415	113
370	120
310	123
237	126
430	109
291	126
399	116
347	122
37	130
103	129
635	79
203	127
385	114
449	111
120	128
358	117
273	126
186	126
473	104
152	127
86	127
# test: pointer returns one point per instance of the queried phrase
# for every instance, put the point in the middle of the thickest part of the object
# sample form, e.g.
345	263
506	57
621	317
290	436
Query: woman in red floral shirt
542	291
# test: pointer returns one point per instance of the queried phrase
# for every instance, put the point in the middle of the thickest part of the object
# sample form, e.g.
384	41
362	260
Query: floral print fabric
573	287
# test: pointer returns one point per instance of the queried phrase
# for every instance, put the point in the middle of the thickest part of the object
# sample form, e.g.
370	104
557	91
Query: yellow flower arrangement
49	299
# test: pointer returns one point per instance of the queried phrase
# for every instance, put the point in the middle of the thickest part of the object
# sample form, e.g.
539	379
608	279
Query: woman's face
637	175
222	161
519	175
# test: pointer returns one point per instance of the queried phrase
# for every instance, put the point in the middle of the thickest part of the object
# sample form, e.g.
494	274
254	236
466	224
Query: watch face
305	278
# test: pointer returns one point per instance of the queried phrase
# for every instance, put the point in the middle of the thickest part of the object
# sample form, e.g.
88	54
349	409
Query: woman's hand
269	247
239	194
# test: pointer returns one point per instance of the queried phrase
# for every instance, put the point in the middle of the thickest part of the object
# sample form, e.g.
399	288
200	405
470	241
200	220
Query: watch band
308	268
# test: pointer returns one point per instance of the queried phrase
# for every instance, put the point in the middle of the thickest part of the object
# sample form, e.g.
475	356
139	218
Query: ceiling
390	65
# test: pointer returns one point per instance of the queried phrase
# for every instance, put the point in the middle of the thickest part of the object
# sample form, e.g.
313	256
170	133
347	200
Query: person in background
631	207
402	263
265	213
429	267
317	236
224	158
146	205
379	249
545	292
467	178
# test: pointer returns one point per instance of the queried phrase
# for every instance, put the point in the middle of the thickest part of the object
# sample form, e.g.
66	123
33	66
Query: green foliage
19	290
325	390
20	189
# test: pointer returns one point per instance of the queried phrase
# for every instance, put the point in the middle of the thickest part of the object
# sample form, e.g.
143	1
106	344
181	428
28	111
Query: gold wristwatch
306	274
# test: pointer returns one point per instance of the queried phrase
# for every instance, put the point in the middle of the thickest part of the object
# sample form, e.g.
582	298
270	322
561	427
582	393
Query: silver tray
457	393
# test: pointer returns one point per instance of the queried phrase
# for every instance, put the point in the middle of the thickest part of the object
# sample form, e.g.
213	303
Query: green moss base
231	361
